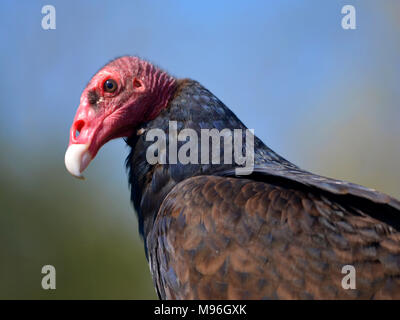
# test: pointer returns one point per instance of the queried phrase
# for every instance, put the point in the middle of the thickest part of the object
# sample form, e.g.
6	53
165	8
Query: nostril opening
78	128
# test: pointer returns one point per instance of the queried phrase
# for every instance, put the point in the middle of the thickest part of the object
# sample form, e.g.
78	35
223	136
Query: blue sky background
323	97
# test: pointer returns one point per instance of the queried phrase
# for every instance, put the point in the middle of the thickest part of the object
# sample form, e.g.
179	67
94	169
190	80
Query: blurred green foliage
46	218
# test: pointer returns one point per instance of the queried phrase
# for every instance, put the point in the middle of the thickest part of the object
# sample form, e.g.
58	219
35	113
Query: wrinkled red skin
143	91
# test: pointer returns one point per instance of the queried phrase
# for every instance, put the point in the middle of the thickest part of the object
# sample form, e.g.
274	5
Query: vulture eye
110	85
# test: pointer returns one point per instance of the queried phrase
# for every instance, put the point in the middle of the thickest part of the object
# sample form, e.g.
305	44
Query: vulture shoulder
236	238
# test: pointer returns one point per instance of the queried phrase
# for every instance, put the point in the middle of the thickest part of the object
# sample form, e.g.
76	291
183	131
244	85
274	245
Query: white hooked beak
77	158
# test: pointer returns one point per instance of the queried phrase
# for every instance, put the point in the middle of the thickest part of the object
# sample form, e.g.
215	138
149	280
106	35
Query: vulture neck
191	107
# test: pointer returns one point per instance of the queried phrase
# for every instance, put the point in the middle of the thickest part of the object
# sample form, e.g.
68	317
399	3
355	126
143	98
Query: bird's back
279	233
229	238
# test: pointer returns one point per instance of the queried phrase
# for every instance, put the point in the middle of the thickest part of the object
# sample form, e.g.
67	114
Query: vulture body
277	233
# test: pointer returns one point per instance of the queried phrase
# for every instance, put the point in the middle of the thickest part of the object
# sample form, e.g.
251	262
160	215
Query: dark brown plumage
279	233
227	238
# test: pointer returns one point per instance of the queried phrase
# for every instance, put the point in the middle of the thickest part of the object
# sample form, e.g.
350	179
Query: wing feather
231	238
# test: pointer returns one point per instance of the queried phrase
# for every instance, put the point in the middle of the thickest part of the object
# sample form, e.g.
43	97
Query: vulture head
123	94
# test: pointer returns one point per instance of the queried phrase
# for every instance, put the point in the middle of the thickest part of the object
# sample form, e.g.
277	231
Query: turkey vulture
209	232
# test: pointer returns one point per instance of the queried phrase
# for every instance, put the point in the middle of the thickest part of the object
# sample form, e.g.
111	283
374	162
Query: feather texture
279	233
